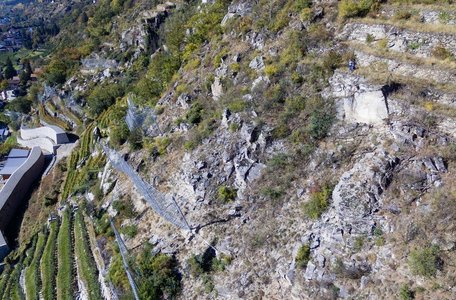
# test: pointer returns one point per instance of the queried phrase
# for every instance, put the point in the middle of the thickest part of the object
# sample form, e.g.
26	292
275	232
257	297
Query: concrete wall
18	185
44	143
55	133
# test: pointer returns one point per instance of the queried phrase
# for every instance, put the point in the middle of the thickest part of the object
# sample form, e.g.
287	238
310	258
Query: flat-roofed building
14	160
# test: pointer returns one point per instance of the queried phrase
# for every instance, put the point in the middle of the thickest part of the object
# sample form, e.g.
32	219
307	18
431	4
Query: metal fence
164	206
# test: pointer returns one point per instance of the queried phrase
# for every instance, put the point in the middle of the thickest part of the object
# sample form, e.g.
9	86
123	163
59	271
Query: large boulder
366	107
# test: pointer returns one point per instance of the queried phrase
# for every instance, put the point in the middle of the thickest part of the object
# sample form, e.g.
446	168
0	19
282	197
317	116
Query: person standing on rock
352	65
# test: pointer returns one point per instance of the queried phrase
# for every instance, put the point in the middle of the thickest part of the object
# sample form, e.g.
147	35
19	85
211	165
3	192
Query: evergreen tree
26	73
10	72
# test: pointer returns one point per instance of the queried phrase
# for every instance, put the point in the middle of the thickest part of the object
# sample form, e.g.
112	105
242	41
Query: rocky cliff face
387	157
299	178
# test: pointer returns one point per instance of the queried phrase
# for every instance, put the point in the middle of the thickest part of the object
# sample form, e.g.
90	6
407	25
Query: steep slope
240	157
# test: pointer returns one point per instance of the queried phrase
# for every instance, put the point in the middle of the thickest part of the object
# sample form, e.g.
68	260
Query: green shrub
413	45
402	15
405	293
301	4
103	96
444	17
273	193
235	67
135	139
354	8
303	256
201	132
234	127
331	61
159	74
271	70
118	134
192	64
159	278
369	38
124	207
318	202
159	109
220	264
424	261
181	88
195	114
441	52
306	14
226	194
117	275
130	231
383	44
359	243
320	123
281	131
237	105
6	146
218	58
279	161
159	145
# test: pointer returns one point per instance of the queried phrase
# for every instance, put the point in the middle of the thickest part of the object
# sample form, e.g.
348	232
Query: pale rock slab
366	107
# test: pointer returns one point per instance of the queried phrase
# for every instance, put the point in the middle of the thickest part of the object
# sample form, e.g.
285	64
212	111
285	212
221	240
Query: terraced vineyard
57	258
45	116
32	273
65	272
48	263
87	269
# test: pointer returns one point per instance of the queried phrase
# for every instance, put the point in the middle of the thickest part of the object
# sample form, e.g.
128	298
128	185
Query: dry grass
437	7
403	57
411	25
379	73
37	213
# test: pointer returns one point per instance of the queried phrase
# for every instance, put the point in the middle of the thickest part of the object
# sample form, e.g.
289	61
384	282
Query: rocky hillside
241	158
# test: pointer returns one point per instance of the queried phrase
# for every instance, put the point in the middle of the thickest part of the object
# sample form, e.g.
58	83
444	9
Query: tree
26	73
10	72
103	96
56	72
83	18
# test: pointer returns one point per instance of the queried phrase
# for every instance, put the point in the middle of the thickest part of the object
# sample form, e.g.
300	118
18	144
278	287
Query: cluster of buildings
12	91
20	170
11	41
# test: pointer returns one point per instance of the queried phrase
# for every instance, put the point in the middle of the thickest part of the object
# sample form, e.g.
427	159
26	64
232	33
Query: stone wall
401	40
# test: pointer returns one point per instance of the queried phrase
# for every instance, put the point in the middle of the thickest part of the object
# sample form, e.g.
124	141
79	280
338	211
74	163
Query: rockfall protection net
164	206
